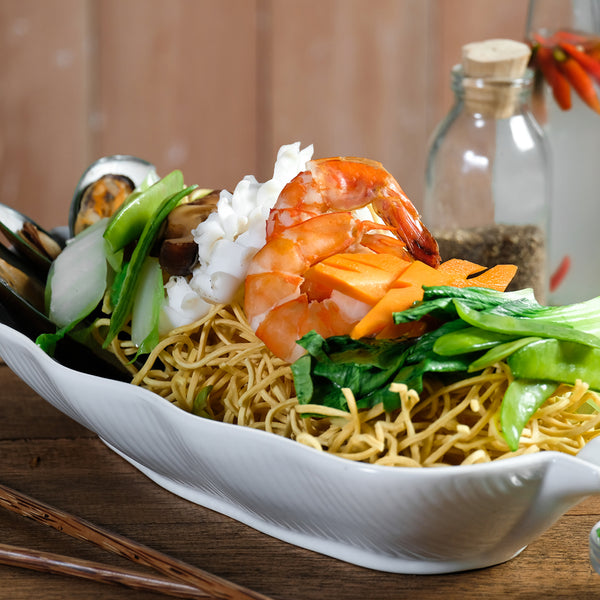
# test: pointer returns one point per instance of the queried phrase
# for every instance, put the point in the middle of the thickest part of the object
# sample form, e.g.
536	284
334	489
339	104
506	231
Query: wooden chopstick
214	586
49	562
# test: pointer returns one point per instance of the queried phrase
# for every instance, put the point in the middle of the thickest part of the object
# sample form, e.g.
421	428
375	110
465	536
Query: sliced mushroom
178	251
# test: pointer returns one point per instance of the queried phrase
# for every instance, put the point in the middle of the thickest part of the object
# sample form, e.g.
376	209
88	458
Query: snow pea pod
145	314
521	399
469	339
128	222
499	352
146	240
518	326
557	360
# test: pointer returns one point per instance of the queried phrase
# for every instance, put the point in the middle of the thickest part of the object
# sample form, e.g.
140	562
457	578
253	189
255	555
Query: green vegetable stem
122	310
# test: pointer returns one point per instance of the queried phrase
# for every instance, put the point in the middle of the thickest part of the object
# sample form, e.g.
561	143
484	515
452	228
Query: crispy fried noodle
218	369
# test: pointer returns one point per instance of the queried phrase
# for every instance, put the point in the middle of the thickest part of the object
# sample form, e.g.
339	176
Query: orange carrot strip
418	273
578	78
381	315
364	277
496	278
459	269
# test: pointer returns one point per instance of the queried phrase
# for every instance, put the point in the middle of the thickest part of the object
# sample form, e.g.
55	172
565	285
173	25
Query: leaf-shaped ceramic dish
387	518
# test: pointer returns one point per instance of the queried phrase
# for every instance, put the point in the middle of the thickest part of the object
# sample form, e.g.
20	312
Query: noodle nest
217	368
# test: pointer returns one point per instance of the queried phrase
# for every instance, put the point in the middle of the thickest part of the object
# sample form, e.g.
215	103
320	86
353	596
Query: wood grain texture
214	87
50	562
73	525
351	79
458	22
176	85
43	105
76	472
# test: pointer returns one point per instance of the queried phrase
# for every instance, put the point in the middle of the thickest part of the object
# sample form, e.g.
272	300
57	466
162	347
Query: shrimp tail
400	211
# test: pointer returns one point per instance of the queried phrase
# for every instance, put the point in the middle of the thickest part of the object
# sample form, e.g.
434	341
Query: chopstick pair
182	581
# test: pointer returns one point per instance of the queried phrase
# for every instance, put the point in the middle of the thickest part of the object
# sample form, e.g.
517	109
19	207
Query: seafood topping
101	199
313	219
40	240
25	286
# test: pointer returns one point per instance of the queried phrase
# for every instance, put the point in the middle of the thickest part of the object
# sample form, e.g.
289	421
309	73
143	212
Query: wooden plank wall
214	87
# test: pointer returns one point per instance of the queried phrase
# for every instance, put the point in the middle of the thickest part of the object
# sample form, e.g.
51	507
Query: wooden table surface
48	456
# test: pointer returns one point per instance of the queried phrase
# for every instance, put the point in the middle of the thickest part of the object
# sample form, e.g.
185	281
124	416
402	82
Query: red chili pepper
571	37
561	90
578	78
560	273
594	52
591	65
541	40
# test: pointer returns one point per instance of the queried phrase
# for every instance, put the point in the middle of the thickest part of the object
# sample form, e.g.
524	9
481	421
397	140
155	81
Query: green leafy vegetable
76	286
521	400
510	325
476	329
200	401
499	352
122	309
149	296
366	367
127	224
557	360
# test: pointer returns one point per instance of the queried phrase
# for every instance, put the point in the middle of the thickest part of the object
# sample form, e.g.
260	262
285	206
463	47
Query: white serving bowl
395	519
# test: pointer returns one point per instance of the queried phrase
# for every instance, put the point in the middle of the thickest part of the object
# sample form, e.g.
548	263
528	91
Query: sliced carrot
459	269
364	277
405	290
419	274
384	261
497	278
381	315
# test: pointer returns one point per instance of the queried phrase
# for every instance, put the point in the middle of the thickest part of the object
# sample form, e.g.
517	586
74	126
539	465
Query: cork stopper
500	62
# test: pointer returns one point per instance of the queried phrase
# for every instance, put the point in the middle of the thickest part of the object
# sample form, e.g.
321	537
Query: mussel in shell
22	294
24	265
103	186
28	239
23	271
102	199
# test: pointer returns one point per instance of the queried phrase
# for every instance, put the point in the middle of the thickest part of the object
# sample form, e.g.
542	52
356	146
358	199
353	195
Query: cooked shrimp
311	220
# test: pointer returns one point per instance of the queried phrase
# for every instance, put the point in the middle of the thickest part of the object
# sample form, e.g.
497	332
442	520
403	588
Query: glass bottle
573	133
487	190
